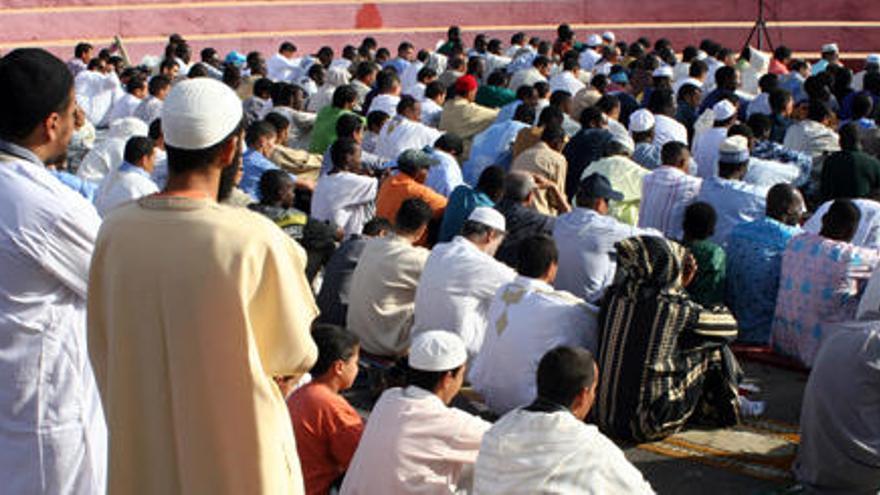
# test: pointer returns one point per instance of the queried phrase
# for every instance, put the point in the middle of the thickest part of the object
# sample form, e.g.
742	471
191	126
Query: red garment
777	67
327	431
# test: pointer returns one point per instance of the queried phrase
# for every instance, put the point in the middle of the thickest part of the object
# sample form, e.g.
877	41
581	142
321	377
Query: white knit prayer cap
724	110
489	217
641	120
199	113
437	350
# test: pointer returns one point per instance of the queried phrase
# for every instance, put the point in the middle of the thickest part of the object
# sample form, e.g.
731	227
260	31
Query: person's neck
329	381
411	237
197	183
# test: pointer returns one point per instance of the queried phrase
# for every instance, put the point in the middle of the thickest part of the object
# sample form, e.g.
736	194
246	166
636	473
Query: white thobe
431	112
346	199
414	443
149	109
53	437
384	103
588	59
122	186
95	93
868	231
409	78
566	81
456	288
526	77
573	457
706	146
400	134
527	318
124	107
108	153
281	68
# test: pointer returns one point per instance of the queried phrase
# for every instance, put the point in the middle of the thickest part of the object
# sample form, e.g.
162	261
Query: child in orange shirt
326	427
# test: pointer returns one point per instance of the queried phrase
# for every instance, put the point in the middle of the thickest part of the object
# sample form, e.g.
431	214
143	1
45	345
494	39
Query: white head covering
594	40
437	350
664	71
641	120
830	48
724	110
873	58
734	149
199	113
489	217
608	36
127	127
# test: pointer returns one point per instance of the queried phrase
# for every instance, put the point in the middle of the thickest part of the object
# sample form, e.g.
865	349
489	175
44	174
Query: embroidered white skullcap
199	113
873	58
594	40
608	36
724	110
701	55
664	71
734	149
830	48
489	217
437	350
641	120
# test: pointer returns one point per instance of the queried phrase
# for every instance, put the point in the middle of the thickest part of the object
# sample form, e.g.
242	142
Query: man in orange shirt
413	168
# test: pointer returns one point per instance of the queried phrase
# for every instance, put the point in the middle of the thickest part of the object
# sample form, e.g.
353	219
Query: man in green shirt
324	132
708	285
495	93
850	172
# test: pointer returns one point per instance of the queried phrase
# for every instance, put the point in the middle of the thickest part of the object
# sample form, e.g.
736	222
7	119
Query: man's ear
227	152
50	126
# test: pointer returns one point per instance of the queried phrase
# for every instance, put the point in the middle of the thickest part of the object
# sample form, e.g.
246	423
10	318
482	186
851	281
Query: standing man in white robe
53	438
132	179
284	66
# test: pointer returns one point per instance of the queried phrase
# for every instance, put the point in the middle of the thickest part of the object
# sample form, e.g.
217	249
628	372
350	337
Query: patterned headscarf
649	266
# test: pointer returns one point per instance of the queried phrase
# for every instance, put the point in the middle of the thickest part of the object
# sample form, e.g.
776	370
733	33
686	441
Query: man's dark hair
364	69
569	63
741	130
231	76
536	254
850	139
344	95
778	99
563	373
699	221
197	70
348	124
782	52
33	85
517	38
551	116
497	78
375	120
591	117
698	68
450	143
862	105
155	131
761	125
207	54
768	82
425	73
672	152
491	182
553	135
434	89
257	130
662	101
542	88
559	98
687	90
278	121
540	62
81	49
725	78
407	102
263	88
524	114
413	214
287	47
841	221
871	83
689	53
376	225
386	80
607	103
158	83
136	82
334	344
270	185
781	200
525	92
340	150
427	380
136	148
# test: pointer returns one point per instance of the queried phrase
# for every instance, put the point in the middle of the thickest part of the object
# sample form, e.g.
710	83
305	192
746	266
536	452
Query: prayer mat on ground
760	448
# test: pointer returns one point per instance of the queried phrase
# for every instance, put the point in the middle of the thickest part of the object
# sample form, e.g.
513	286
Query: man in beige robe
464	118
194	307
546	160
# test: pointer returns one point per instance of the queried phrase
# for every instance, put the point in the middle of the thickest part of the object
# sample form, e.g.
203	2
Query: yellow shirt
466	119
193	308
626	177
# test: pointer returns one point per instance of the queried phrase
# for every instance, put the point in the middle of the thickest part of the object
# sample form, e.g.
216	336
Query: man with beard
52	432
194	308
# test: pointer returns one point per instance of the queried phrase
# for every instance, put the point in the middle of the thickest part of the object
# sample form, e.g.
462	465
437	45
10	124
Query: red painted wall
263	24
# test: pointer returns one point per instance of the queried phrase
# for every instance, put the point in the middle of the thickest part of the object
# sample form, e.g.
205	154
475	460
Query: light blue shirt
735	202
507	111
255	164
445	175
754	263
587	256
491	147
85	188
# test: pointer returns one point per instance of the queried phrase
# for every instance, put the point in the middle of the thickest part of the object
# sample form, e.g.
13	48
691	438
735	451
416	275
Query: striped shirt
666	192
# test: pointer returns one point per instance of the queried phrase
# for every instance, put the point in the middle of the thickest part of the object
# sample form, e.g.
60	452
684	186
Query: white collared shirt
527	318
456	288
666	192
400	134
